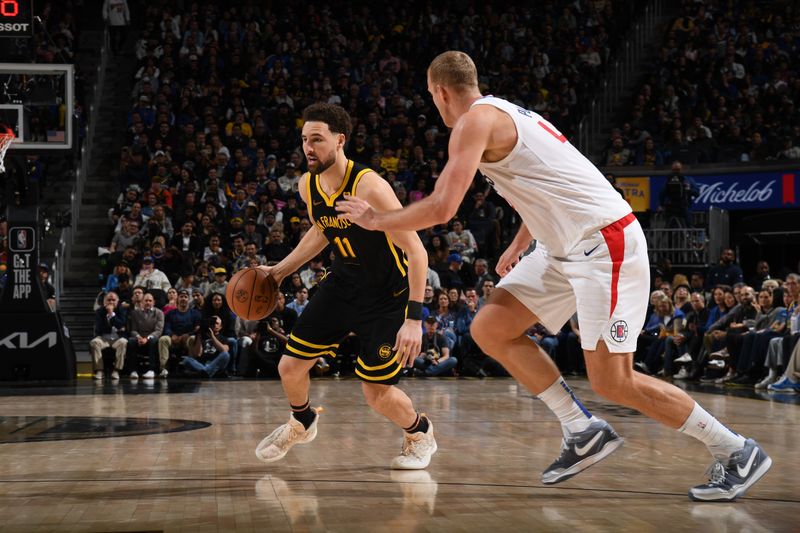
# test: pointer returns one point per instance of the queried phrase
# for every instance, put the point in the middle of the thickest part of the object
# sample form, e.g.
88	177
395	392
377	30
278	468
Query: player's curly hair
337	119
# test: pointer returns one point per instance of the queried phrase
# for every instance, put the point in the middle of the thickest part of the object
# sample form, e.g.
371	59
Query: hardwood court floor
493	439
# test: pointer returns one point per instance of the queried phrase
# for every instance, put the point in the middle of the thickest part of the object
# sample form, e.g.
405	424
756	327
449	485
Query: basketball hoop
6	137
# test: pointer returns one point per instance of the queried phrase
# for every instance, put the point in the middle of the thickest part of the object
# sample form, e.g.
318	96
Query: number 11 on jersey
344	247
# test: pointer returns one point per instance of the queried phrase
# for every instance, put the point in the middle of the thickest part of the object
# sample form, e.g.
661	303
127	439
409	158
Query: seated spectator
486	290
112	282
770	323
187	242
445	316
618	155
648	155
250	257
727	272
276	249
265	349
434	358
208	353
666	321
109	330
172	301
128	235
462	242
217	306
681	298
307	274
220	283
179	325
481	272
198	300
300	302
150	277
146	327
544	339
742	318
688	342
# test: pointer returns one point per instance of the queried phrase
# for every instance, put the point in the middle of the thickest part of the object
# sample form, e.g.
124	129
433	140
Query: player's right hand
272	272
508	260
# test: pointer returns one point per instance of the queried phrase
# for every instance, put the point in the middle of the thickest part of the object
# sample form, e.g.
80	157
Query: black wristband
414	310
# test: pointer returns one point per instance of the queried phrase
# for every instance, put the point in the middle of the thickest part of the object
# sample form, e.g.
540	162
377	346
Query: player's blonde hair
455	70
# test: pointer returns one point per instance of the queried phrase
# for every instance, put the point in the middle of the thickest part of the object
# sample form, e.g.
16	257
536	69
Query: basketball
252	294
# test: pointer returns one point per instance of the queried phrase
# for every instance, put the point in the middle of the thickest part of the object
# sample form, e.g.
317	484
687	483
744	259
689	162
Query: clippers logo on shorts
385	351
619	331
21	239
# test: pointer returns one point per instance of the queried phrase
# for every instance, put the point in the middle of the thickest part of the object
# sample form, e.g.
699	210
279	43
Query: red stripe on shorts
614	234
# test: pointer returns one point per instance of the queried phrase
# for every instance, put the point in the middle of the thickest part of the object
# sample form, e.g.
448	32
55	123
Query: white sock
720	440
772	374
574	417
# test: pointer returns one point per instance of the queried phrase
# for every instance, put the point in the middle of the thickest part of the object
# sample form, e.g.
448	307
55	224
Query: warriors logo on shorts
619	331
385	351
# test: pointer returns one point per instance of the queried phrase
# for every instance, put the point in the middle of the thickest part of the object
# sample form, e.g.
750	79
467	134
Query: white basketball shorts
606	278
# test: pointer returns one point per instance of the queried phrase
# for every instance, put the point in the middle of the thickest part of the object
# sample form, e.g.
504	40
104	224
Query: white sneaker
682	374
134	375
114	376
98	375
149	374
274	446
685	358
418	448
163	373
764	383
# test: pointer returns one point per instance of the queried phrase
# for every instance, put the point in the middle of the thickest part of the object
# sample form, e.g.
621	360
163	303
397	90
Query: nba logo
21	239
619	330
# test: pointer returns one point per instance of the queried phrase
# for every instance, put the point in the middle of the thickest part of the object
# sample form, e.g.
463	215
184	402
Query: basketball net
6	137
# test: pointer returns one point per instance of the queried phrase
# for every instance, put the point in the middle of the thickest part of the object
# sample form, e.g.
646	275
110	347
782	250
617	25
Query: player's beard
322	166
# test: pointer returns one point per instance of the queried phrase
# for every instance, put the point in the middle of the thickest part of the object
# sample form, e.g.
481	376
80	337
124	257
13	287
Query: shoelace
716	474
409	447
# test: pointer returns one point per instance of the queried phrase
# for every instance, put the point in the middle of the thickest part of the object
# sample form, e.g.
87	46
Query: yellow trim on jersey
310	355
379	367
396	257
358	178
381	378
329	200
309	199
311	344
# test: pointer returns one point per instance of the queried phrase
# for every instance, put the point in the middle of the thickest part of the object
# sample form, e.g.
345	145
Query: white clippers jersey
560	195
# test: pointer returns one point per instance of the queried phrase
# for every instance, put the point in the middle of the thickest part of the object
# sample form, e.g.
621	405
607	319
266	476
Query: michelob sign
749	190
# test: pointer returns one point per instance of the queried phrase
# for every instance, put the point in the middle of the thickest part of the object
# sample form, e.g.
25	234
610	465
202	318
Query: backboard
37	102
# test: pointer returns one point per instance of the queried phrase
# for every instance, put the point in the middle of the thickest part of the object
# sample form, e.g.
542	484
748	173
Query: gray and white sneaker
418	448
275	445
581	450
731	478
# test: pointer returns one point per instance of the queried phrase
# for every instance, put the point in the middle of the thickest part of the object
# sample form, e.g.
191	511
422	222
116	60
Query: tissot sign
751	190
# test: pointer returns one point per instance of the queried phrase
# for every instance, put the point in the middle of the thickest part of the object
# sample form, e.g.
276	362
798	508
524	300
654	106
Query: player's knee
291	368
484	331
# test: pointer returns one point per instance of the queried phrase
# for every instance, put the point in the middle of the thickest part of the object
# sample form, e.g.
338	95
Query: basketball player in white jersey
591	257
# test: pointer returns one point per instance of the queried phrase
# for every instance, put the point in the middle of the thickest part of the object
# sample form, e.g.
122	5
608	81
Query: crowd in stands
717	328
723	89
208	179
210	169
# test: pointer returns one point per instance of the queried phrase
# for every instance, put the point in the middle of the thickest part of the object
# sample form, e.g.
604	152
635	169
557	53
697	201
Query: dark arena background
153	149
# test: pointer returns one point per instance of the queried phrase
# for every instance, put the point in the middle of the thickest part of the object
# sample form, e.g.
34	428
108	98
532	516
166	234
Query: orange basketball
252	294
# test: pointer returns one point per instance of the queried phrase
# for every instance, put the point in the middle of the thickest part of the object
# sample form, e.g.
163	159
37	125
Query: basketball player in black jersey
372	290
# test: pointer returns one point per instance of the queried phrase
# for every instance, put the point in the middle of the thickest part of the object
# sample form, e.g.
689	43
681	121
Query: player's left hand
358	211
409	342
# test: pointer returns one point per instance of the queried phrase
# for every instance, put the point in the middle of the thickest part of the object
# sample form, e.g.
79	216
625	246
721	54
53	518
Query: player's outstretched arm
312	243
377	192
468	141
